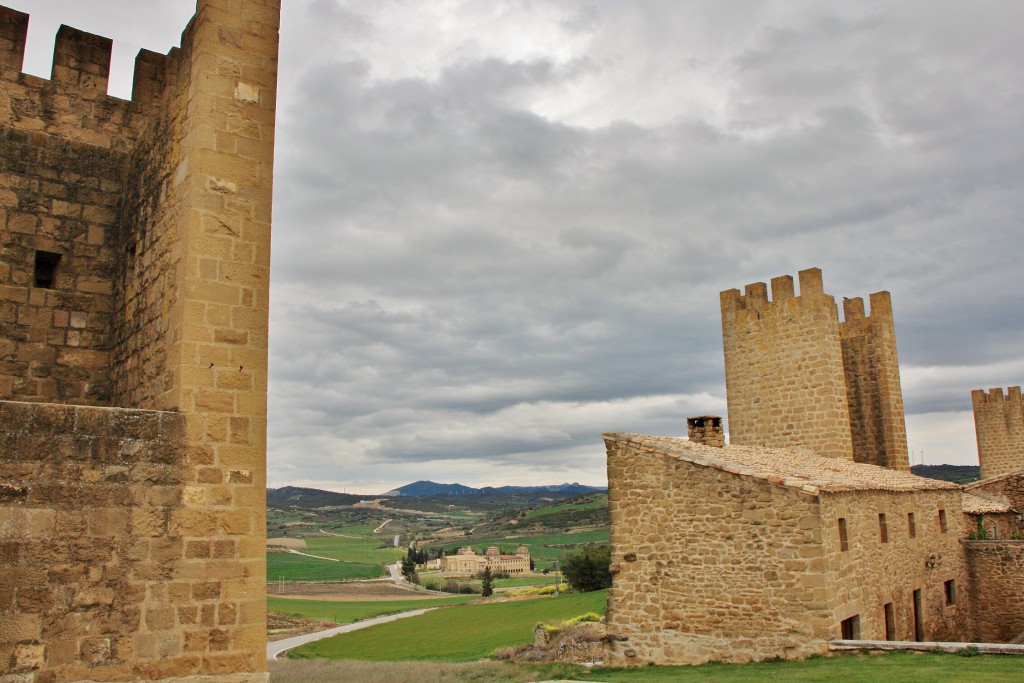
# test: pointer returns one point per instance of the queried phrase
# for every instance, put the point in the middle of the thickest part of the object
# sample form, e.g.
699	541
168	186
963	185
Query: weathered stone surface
999	426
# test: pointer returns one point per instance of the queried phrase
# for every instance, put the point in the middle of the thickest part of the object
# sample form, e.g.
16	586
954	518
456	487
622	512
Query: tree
408	568
588	570
487	586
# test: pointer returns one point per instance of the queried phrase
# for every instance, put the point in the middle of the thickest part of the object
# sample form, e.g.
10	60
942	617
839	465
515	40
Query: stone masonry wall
872	573
62	155
709	565
872	372
999	425
1007	488
184	258
997	589
91	547
784	377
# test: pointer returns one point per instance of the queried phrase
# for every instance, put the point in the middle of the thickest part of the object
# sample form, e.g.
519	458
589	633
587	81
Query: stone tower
798	377
999	425
133	353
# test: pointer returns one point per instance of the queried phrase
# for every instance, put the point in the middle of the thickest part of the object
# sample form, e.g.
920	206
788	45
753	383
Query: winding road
278	647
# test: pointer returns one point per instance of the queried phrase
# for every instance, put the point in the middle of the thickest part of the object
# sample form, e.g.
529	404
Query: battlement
755	295
981	397
881	308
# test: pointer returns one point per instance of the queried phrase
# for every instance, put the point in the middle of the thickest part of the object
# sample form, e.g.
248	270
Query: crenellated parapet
999	427
798	376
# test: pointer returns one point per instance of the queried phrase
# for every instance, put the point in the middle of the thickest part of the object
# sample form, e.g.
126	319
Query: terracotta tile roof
990	480
799	469
976	505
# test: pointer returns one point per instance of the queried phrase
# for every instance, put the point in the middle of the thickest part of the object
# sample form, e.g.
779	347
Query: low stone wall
997	589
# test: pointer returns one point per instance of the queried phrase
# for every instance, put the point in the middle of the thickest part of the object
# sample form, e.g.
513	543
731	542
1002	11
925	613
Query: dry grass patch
322	671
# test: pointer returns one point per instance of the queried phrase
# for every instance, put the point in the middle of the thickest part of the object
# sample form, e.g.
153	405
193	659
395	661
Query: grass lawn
292	567
459	634
895	667
347	612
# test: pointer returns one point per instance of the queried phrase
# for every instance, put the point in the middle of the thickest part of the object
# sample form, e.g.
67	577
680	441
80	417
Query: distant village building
467	563
808	527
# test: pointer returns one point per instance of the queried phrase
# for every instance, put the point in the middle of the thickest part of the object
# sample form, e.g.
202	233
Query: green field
536	513
290	567
459	634
540	546
346	612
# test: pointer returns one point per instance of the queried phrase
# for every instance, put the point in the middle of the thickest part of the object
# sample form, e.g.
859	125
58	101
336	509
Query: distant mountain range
430	488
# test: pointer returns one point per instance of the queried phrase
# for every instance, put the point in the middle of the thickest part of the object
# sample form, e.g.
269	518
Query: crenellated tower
798	377
134	300
999	426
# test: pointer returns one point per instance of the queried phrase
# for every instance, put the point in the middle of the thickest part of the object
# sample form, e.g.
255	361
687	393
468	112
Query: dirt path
315	557
278	647
386	522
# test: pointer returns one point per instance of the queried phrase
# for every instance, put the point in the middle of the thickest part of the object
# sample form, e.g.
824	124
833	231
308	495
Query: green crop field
458	634
290	567
566	507
346	612
359	544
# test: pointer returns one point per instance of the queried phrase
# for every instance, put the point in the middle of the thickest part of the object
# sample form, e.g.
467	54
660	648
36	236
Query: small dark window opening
942	521
850	628
844	540
890	622
950	592
918	616
912	525
46	269
883	528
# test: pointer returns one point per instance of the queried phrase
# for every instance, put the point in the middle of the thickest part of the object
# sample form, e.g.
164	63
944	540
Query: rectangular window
890	621
850	628
950	587
844	541
883	528
942	521
45	274
911	525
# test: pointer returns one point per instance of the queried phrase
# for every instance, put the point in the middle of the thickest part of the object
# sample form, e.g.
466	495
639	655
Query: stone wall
784	378
161	209
999	426
1007	489
872	573
872	372
709	565
997	589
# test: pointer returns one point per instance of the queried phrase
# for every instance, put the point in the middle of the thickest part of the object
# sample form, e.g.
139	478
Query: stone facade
798	377
997	589
467	563
133	348
999	426
739	554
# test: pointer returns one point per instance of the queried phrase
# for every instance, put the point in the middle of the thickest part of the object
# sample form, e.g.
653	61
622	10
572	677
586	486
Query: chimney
706	430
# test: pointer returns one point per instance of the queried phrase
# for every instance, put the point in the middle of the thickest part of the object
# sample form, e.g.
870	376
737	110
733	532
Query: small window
844	540
943	527
911	525
890	621
950	587
883	528
46	269
850	628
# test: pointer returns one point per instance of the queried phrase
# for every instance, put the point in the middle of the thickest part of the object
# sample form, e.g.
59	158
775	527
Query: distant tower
796	376
999	424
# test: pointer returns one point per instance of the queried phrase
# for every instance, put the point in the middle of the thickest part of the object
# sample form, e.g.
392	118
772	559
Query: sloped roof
991	480
800	469
976	505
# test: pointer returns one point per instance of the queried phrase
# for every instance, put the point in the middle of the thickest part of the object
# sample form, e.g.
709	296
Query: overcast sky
501	226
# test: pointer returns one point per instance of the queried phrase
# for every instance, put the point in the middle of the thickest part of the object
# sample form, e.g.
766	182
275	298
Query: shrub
589	569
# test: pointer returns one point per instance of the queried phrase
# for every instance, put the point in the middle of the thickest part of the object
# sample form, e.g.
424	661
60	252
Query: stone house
467	563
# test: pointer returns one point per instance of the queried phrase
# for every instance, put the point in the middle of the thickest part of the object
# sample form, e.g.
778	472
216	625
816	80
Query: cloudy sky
501	226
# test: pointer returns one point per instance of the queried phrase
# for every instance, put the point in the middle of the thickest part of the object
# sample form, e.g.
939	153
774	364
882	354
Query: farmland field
290	567
347	612
459	634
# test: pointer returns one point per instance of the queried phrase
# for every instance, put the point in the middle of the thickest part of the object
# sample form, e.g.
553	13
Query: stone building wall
999	426
872	372
784	367
1006	488
709	565
165	238
872	573
997	585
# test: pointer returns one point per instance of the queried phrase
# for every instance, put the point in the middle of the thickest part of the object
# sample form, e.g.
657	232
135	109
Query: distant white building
467	563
